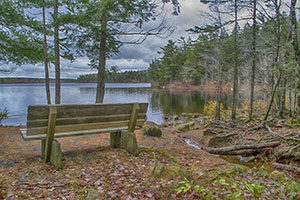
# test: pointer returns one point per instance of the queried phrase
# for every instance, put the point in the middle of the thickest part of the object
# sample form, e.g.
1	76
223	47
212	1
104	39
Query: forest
116	76
246	52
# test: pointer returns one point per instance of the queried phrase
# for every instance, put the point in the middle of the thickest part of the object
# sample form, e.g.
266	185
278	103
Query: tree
253	61
56	54
46	58
18	44
105	25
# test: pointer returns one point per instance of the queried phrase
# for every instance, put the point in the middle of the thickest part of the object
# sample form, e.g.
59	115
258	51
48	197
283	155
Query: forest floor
94	170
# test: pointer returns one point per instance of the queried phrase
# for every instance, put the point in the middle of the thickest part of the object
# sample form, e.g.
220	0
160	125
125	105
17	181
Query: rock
196	115
247	159
185	127
92	194
151	129
157	169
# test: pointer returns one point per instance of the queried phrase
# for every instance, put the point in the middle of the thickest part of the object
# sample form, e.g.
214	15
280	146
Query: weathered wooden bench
47	122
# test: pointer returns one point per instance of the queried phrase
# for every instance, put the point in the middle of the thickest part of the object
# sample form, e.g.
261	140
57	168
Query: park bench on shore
47	122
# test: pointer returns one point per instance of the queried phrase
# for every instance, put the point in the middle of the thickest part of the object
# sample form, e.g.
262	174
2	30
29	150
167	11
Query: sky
131	57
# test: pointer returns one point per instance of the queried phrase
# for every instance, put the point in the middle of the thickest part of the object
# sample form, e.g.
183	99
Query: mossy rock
185	127
157	169
151	129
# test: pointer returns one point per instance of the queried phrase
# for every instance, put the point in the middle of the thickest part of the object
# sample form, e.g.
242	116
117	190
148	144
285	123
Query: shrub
3	114
210	108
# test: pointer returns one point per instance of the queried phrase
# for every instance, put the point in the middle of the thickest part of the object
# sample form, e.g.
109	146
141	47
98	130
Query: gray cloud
131	57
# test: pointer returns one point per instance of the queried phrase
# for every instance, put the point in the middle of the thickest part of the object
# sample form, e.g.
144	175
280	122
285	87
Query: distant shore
31	80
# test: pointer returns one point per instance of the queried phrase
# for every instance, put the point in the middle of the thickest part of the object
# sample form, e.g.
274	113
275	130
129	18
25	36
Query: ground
92	168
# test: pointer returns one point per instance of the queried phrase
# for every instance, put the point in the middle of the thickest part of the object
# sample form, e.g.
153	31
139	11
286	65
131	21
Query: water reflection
17	97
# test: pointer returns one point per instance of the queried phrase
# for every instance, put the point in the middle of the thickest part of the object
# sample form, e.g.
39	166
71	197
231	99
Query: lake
17	97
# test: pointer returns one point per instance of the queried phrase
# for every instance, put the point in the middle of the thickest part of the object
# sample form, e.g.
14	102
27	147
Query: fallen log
286	167
258	146
246	152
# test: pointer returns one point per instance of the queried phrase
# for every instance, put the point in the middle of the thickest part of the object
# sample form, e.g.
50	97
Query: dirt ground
89	162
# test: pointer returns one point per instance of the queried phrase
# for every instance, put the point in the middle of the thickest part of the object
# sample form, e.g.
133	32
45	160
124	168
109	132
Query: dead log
286	167
258	146
246	152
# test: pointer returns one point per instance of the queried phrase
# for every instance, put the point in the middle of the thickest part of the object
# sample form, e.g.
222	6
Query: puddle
190	143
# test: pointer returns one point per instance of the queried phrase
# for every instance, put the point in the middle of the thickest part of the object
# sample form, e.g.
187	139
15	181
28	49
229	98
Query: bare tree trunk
276	59
46	57
235	78
218	102
56	53
282	98
290	102
102	64
254	61
295	38
272	98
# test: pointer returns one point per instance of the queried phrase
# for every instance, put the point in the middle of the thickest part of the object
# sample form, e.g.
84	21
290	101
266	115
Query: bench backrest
79	117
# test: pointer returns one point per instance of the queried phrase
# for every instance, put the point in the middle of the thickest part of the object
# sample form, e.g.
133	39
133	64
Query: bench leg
129	142
43	146
115	139
56	155
124	140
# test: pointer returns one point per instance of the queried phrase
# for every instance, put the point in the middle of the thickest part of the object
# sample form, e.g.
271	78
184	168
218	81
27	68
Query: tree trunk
254	61
46	57
272	98
276	59
102	64
295	39
56	53
235	78
282	98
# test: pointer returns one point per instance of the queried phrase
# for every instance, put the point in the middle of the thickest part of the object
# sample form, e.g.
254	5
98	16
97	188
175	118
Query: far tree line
116	76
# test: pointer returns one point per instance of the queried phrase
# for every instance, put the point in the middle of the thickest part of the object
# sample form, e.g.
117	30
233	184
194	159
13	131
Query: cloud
131	57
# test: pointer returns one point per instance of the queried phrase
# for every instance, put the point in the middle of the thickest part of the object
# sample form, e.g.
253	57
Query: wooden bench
47	122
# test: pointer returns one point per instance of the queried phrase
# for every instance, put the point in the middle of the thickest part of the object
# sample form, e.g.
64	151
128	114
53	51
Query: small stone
196	115
151	129
157	169
247	159
92	194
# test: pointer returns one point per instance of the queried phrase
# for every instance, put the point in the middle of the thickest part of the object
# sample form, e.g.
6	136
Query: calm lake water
17	97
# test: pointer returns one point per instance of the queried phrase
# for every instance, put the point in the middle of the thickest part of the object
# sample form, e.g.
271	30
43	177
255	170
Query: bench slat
82	120
69	134
81	127
78	110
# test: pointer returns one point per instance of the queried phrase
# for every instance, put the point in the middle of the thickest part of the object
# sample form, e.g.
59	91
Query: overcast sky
131	57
